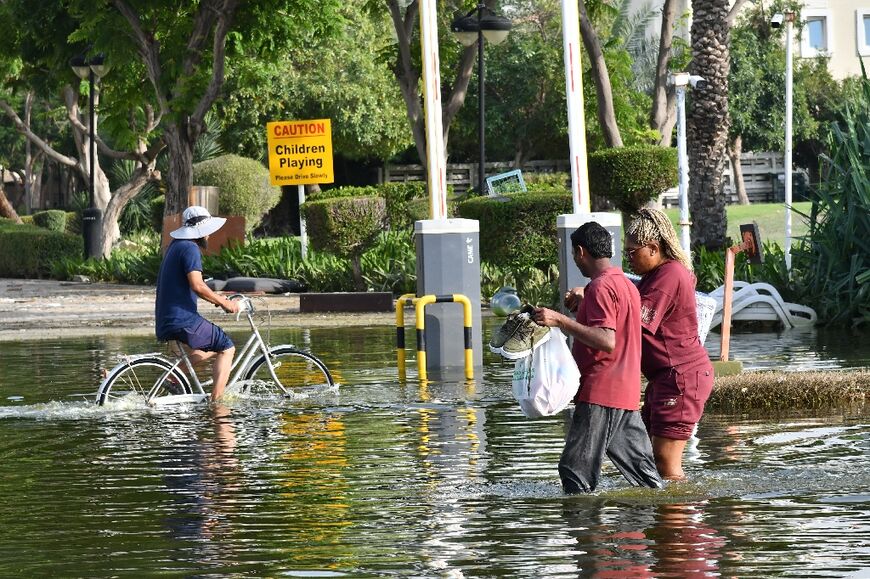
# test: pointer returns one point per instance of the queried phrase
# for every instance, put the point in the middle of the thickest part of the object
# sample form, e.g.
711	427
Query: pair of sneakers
518	335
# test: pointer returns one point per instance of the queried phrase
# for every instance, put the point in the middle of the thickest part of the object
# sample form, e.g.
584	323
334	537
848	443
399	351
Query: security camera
776	20
686	79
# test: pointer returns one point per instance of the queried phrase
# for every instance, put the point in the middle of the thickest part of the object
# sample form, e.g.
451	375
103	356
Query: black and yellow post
420	323
400	330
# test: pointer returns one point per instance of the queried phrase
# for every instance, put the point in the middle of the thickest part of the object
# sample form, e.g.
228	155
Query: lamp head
79	64
777	19
466	29
495	28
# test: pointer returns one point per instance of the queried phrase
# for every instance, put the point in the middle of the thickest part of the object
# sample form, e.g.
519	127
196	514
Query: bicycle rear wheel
293	368
148	377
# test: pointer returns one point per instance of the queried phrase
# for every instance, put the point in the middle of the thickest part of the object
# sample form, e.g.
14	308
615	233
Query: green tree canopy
342	77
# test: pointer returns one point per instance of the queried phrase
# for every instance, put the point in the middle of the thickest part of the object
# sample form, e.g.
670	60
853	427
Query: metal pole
788	136
682	161
91	84
727	300
481	121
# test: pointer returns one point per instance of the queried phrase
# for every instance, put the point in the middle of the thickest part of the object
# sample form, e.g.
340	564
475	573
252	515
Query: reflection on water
446	479
795	349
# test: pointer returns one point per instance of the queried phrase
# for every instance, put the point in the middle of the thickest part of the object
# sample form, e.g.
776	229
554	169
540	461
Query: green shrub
158	207
834	257
73	223
27	251
345	226
630	177
25	219
405	202
336	192
535	286
52	219
244	187
520	232
537	181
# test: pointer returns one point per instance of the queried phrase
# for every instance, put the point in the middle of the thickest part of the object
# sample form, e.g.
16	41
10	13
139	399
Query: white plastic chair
761	302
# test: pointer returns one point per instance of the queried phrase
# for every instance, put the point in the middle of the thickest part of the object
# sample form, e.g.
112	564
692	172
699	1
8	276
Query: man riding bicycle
178	285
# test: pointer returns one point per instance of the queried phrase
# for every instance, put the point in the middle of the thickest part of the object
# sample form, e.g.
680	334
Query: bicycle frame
241	362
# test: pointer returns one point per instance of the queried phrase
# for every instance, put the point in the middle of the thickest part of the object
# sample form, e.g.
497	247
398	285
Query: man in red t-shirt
607	350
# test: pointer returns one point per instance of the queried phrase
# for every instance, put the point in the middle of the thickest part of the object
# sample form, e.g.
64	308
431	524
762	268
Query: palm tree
707	123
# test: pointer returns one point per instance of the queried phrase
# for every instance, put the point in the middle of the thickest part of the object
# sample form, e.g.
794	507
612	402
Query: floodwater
390	478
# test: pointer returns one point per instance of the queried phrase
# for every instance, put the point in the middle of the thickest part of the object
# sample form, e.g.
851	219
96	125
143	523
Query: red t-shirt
669	317
611	380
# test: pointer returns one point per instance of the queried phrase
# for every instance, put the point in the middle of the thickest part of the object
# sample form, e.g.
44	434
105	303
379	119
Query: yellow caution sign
300	152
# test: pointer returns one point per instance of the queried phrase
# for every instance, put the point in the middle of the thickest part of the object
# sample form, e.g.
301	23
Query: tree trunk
6	209
601	78
180	177
735	150
356	267
707	123
408	78
662	117
29	158
123	195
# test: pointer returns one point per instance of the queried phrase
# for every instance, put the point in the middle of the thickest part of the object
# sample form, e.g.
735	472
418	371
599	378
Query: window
862	32
815	37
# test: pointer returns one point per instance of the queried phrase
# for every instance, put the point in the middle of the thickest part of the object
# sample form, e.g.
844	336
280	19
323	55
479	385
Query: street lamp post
473	27
680	81
789	20
91	68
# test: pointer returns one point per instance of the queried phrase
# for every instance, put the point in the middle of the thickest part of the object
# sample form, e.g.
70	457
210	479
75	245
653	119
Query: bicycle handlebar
246	305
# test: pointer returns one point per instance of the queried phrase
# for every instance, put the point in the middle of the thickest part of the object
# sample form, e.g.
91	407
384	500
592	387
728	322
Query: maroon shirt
611	380
669	317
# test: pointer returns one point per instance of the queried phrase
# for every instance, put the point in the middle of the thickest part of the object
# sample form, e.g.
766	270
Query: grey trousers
597	431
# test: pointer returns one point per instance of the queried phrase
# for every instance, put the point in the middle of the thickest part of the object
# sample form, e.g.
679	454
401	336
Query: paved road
41	309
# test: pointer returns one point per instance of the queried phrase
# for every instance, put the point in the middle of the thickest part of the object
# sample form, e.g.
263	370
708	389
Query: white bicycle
258	369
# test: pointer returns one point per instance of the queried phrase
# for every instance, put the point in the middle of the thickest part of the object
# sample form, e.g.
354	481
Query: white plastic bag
545	381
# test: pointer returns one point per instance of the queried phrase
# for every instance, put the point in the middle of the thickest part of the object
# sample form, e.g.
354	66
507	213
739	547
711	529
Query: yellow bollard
420	323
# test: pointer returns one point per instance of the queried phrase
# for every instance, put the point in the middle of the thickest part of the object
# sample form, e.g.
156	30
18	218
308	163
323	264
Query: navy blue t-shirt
176	303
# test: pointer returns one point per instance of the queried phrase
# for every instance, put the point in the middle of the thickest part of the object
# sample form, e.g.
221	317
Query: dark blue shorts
203	335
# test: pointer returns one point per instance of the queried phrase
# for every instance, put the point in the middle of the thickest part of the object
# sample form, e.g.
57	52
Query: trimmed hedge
631	177
521	231
52	219
244	187
405	202
27	251
344	226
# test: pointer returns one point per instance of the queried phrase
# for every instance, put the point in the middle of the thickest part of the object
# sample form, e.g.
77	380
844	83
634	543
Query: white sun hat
196	223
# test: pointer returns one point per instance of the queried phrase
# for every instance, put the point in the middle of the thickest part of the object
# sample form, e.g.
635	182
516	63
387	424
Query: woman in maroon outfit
673	359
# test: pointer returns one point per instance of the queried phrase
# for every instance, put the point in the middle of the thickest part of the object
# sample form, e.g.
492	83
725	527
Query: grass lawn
769	216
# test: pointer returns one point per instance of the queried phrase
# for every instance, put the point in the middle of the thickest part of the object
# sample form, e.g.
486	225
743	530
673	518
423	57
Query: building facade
836	29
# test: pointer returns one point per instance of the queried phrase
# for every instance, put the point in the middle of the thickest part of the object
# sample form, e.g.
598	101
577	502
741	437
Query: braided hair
653	225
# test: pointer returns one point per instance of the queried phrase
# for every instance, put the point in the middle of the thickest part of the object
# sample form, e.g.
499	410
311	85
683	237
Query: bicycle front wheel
148	377
293	369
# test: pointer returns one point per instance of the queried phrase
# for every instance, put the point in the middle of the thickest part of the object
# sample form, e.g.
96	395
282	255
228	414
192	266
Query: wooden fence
762	176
